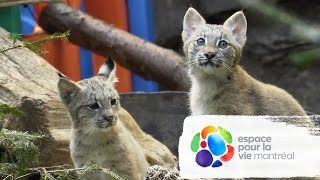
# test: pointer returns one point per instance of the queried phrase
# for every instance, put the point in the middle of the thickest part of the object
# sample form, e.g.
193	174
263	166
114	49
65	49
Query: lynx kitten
219	84
105	133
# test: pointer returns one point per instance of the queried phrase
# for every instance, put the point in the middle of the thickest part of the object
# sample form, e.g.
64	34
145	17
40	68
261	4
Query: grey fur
97	132
219	84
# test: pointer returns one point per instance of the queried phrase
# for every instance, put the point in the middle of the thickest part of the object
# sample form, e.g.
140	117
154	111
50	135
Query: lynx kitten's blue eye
223	44
201	42
94	106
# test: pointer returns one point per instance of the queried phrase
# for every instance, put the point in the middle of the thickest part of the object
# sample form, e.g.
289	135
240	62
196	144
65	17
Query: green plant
17	150
6	110
35	45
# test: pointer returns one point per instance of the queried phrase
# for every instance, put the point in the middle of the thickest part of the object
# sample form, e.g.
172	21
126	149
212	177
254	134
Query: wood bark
4	3
143	58
29	82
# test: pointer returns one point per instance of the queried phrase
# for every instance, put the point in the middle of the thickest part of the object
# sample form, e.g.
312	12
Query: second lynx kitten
219	85
104	132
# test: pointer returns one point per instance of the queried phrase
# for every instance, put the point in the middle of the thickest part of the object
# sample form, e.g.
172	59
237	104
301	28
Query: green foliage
14	37
35	45
18	152
91	167
65	172
305	58
6	111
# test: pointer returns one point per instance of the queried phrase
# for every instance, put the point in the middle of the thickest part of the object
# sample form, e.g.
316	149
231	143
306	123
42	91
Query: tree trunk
143	58
29	82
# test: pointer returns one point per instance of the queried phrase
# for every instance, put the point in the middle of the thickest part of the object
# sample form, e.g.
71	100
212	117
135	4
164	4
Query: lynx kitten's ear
192	20
237	24
108	69
67	89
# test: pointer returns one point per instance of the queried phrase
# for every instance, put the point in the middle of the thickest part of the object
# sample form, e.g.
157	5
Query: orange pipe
112	12
62	54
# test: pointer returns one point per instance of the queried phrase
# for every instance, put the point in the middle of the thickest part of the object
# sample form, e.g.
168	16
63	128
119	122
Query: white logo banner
249	146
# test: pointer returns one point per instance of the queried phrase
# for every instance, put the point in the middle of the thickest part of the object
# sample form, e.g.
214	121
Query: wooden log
24	74
4	3
143	58
29	82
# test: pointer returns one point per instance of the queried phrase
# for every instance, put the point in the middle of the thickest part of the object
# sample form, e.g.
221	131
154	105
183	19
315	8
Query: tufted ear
192	20
237	25
108	69
67	89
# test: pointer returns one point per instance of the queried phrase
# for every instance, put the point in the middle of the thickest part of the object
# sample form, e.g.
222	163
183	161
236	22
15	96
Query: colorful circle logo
215	146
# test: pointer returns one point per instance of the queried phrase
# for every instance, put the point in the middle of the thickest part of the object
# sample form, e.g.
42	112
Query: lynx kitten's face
93	103
97	103
210	48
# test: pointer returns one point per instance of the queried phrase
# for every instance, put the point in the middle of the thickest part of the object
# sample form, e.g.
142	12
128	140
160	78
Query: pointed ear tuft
108	69
237	25
67	89
61	75
192	20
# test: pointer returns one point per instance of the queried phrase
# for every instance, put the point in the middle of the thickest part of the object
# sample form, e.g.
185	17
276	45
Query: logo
213	148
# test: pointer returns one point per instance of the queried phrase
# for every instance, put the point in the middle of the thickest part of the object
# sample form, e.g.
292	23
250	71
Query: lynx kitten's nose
108	118
210	55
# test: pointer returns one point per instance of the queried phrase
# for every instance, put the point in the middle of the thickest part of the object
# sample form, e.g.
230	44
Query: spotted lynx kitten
104	132
219	84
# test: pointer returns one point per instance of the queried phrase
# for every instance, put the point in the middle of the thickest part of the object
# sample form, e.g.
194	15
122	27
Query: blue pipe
140	17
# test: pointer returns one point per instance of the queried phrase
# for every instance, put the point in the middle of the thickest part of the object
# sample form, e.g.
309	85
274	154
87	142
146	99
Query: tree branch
143	58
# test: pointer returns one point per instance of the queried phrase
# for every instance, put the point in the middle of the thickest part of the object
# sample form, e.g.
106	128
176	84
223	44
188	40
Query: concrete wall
159	114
